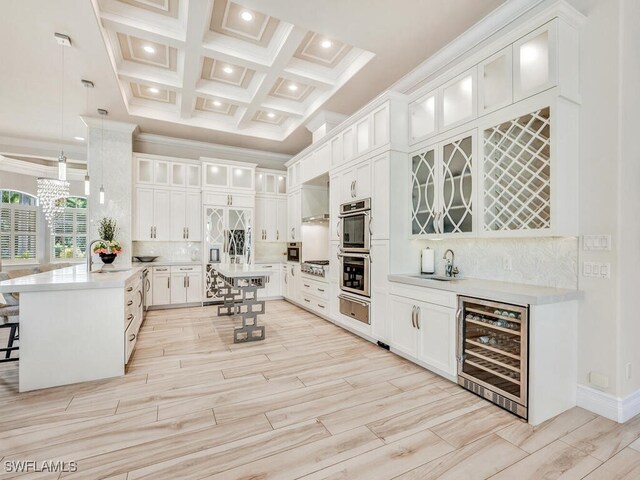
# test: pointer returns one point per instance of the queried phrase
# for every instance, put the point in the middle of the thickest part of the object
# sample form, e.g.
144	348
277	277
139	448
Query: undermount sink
439	278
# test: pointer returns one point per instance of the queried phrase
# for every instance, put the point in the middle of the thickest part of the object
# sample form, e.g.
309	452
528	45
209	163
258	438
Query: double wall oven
354	230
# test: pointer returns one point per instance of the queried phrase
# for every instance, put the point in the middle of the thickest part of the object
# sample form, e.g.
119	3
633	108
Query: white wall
629	197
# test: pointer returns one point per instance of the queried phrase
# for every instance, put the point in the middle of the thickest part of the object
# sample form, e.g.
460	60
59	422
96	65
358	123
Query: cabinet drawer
131	337
185	268
424	294
317	289
315	304
161	270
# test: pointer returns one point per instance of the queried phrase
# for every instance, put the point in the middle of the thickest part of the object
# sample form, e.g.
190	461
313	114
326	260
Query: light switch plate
596	242
596	270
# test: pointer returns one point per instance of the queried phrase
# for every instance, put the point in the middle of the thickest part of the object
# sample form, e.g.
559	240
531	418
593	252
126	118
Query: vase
108	258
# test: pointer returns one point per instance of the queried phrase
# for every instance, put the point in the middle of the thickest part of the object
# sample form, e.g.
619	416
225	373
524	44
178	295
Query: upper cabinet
228	176
525	67
270	182
443	178
165	173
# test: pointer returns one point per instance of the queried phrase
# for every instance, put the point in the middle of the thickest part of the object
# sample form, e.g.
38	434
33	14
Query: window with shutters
69	237
18	226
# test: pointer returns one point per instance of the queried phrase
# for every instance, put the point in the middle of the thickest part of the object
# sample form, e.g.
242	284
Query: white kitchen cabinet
443	186
266	219
423	117
161	286
178	290
363	135
177	215
161	173
336	151
293	175
270	182
193	216
380	195
153	221
273	287
535	62
185	284
355	182
495	81
228	176
194	287
228	199
293	282
144	171
424	331
348	140
294	210
281	219
335	199
458	100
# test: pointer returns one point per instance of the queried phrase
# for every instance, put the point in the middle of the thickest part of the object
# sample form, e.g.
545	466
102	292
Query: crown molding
23	167
325	117
42	148
111	125
214	150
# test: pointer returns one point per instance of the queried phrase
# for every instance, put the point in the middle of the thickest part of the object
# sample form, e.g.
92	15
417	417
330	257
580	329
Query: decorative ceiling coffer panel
220	65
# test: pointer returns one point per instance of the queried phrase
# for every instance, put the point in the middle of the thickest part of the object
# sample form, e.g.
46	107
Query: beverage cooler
493	341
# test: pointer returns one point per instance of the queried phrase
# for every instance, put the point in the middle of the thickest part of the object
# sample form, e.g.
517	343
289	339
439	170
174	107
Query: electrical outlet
507	263
596	242
596	270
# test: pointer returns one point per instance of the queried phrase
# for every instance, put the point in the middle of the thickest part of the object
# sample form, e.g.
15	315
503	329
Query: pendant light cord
62	102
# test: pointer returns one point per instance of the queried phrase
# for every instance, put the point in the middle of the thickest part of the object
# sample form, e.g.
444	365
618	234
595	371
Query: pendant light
103	113
65	41
87	181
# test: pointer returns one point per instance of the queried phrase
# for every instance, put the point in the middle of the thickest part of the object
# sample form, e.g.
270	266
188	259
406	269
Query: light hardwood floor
311	401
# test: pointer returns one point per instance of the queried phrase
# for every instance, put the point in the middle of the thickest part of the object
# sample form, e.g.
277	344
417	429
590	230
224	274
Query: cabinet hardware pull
460	336
308	286
129	303
230	199
355	188
168	282
418	317
321	290
307	300
150	232
285	277
413	316
184	281
277	234
129	289
292	234
140	293
132	337
338	228
148	284
321	306
130	316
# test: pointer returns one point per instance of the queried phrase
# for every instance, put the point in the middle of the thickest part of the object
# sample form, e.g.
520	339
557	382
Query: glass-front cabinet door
456	211
238	237
443	186
424	197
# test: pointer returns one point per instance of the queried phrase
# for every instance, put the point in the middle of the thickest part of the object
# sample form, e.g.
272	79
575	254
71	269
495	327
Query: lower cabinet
177	285
273	287
292	282
424	331
133	313
314	294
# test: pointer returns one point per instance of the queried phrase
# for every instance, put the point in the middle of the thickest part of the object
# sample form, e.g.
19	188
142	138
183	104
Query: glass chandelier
52	198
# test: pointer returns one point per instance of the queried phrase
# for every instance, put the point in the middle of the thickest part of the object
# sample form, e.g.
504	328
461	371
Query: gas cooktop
314	267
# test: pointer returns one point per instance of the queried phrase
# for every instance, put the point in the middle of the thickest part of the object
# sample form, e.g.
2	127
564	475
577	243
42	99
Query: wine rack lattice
517	168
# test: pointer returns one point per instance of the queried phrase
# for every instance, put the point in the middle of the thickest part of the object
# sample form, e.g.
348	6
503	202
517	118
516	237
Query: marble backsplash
549	262
170	251
270	252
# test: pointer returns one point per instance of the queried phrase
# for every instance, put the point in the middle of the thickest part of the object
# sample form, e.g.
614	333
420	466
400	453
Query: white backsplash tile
270	252
549	262
170	251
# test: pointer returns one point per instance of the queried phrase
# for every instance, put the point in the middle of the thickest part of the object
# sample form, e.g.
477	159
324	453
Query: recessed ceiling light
293	87
149	49
326	44
227	69
80	139
247	16
217	103
271	114
153	90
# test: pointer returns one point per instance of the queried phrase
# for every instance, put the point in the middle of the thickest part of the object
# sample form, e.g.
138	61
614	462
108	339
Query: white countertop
70	278
516	293
236	270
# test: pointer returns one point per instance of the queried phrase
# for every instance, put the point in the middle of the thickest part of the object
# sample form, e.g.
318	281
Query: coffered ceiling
219	65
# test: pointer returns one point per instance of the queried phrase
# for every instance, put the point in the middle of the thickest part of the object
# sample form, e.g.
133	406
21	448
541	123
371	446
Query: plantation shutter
24	228
5	233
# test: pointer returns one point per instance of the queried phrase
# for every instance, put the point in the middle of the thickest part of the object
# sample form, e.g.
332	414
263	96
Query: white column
109	161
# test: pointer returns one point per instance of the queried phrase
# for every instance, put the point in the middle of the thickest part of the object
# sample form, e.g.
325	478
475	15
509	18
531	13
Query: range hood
319	218
315	203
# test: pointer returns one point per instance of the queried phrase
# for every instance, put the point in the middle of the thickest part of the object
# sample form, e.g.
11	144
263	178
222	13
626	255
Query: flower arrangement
108	247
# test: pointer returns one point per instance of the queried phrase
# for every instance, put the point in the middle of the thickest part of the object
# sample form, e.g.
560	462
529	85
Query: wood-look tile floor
311	401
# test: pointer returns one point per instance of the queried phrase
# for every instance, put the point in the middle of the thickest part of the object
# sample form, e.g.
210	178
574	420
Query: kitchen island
76	325
240	297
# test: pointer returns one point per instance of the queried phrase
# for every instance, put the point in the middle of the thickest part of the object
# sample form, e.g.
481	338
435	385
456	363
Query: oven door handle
357	255
351	299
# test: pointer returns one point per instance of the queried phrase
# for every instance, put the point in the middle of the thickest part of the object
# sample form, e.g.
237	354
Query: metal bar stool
9	319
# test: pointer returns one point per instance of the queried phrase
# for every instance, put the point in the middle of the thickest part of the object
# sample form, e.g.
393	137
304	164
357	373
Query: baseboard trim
614	408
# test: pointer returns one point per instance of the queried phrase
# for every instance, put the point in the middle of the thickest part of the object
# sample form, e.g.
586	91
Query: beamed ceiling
218	65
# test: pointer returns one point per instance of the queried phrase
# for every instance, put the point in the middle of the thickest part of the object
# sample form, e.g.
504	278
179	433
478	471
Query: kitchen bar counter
73	324
507	292
70	278
237	270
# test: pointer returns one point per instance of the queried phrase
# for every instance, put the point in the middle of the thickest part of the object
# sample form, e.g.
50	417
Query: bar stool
9	319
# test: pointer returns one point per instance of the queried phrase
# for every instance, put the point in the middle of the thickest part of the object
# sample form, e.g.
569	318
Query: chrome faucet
450	270
88	253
